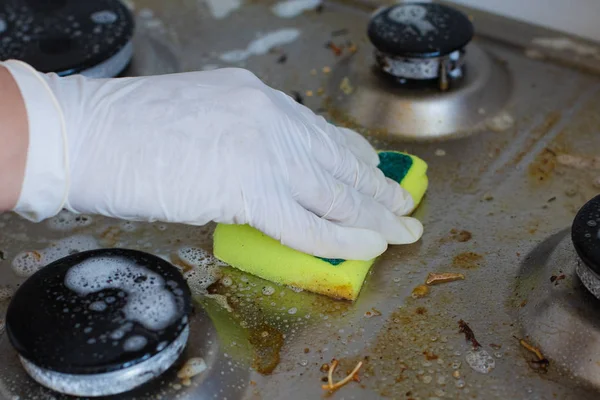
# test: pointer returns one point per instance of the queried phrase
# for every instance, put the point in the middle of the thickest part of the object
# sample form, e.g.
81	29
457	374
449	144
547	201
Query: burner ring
422	68
100	322
66	37
421	41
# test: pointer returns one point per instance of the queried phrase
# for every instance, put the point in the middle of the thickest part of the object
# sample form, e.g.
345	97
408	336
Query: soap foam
198	258
66	221
293	8
205	268
222	8
262	45
98	306
6	292
27	263
135	343
149	302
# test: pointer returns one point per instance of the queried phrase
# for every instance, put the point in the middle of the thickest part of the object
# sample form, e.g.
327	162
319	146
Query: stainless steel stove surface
512	150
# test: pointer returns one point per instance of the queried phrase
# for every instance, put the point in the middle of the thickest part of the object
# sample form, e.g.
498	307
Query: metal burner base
395	110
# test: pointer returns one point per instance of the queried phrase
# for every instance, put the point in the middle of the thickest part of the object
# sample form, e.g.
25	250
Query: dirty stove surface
503	194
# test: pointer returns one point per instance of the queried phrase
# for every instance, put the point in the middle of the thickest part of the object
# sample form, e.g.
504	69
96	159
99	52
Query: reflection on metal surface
421	111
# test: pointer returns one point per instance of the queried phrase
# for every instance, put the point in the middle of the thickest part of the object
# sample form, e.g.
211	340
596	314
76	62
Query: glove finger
302	230
313	235
344	166
353	141
357	144
343	205
348	138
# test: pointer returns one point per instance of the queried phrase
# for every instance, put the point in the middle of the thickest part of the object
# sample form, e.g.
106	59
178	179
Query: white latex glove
207	146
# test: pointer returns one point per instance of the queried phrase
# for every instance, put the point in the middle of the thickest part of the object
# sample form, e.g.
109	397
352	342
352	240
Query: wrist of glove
207	146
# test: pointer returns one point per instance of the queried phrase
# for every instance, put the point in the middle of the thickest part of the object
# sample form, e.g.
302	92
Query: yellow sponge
249	250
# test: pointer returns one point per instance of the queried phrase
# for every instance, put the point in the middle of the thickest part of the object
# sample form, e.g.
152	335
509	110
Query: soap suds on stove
66	221
135	343
293	8
203	268
6	292
27	263
220	9
149	302
262	45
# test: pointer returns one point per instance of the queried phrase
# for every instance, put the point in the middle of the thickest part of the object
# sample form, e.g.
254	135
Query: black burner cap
585	234
89	332
420	30
63	36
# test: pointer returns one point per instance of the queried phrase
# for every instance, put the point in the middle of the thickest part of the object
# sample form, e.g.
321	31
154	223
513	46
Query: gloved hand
207	146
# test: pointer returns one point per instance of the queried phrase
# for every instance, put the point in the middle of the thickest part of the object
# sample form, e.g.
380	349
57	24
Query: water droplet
591	222
480	361
292	310
98	306
460	383
104	17
227	281
268	290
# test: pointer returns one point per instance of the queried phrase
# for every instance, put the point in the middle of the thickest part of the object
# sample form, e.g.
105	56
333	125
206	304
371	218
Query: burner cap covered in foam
67	36
97	313
420	30
585	234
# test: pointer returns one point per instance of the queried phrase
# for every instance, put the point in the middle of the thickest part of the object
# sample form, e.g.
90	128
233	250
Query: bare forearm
13	141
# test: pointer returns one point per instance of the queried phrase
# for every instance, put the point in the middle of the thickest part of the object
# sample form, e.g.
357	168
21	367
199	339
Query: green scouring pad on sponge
251	251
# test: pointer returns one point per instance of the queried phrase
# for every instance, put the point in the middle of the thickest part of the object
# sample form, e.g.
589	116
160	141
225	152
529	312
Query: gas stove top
511	144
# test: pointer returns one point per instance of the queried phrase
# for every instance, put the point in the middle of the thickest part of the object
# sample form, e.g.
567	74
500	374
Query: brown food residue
542	362
267	343
420	291
373	313
523	303
556	278
544	164
192	367
352	376
469	335
420	311
460	236
467	260
435	278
